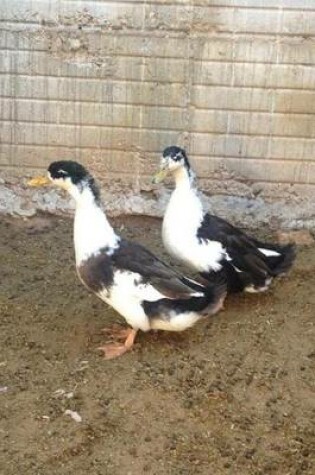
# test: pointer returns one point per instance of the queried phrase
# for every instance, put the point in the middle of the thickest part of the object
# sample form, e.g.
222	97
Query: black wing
133	257
241	248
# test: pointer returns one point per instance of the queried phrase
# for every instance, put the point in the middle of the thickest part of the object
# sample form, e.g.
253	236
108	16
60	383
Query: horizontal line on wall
15	99
104	149
151	106
256	111
264	88
38	167
87	78
174	31
220	109
157	82
250	180
169	3
92	79
71	101
93	126
236	61
141	33
174	35
157	34
199	4
9	167
119	2
16	123
48	23
70	147
155	57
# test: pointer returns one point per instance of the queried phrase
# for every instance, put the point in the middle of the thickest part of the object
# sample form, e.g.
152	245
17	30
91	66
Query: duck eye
177	157
63	172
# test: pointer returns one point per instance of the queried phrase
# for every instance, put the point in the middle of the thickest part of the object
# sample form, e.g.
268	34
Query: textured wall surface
111	83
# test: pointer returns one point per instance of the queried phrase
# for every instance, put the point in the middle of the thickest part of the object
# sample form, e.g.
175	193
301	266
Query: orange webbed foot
114	350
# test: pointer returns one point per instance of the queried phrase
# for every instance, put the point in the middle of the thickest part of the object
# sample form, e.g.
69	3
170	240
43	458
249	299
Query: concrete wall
111	83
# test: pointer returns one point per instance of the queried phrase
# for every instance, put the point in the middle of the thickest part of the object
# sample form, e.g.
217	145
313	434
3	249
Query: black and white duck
209	244
148	293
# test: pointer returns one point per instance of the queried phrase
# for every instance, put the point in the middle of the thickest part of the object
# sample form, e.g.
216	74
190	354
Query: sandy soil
234	395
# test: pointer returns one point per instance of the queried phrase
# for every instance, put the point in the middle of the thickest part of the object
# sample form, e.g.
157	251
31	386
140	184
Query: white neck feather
183	178
92	231
184	211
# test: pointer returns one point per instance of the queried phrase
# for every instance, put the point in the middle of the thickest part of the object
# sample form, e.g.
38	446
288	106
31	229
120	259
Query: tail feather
278	262
233	280
281	264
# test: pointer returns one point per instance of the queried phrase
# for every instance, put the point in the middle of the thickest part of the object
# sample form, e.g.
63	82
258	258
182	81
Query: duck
210	245
148	293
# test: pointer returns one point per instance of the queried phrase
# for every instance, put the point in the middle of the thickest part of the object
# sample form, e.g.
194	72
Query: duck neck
184	179
92	231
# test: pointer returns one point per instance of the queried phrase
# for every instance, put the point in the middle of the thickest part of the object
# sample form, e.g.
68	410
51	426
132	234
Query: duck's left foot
113	350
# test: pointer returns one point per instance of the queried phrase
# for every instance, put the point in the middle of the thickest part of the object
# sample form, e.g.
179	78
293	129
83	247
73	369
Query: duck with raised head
210	245
148	293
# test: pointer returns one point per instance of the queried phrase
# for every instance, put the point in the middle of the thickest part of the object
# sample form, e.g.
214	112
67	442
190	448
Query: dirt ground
234	395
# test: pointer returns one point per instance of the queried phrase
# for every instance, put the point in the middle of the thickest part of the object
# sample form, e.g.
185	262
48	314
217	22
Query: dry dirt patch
234	395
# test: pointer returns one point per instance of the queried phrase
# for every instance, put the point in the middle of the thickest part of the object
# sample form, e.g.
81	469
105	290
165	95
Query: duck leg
113	350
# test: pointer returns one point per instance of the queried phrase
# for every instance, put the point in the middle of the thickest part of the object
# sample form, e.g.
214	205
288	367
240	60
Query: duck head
70	176
173	160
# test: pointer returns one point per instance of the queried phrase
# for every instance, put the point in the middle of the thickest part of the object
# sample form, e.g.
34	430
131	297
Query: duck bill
39	181
160	176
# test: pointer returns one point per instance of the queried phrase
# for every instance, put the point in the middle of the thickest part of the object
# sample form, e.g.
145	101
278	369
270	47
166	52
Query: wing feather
135	258
241	248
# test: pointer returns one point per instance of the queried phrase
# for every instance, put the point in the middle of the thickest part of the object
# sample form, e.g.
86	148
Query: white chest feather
92	231
126	297
182	219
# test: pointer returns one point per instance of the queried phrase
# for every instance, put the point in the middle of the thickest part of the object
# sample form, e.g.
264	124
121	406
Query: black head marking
68	168
176	154
77	174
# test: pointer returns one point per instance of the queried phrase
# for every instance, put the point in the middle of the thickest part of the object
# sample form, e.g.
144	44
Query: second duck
211	245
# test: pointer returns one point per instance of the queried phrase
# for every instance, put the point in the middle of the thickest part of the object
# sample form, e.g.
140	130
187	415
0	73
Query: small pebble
74	415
